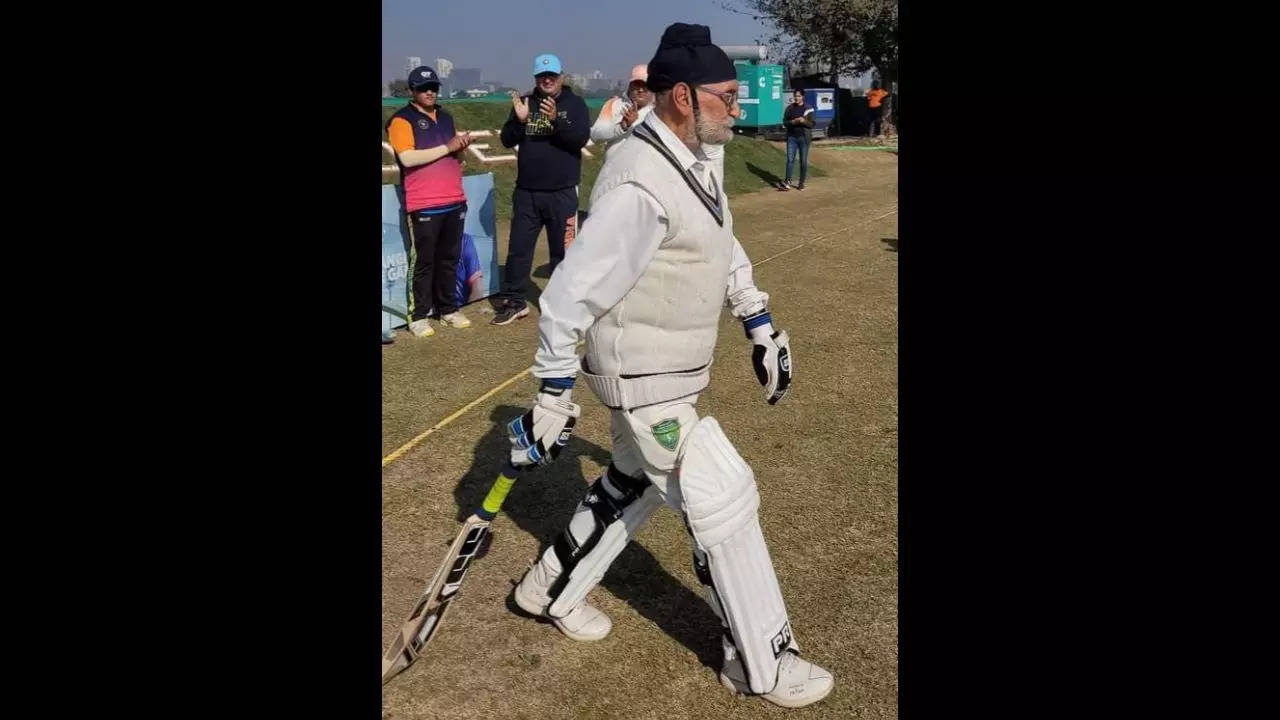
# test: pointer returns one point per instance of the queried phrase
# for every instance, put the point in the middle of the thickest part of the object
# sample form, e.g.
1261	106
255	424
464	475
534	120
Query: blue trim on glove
755	321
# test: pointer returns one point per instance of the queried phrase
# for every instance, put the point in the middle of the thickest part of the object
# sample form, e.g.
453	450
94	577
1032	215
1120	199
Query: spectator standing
875	103
620	114
798	119
428	149
551	126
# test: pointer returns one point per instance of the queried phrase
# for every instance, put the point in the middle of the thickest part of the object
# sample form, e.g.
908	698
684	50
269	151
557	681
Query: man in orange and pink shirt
429	150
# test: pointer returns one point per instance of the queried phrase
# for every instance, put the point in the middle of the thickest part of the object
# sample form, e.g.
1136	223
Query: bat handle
498	492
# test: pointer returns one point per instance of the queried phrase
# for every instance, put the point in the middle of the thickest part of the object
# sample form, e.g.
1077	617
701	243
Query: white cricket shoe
584	623
455	319
800	682
421	328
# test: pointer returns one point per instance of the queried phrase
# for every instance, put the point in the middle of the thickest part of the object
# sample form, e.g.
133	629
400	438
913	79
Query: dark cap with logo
423	76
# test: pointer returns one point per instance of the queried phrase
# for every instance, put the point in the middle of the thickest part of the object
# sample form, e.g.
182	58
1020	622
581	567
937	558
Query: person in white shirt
644	284
620	114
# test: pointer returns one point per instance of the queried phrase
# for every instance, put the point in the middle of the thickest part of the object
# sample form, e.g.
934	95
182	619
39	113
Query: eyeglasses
427	88
729	98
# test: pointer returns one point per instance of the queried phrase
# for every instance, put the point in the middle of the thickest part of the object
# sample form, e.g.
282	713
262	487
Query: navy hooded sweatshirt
550	154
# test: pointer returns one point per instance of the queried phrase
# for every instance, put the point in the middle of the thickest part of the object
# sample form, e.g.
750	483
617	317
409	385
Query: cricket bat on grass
425	619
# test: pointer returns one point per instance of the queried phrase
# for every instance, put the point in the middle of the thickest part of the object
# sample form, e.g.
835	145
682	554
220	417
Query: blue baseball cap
546	62
422	76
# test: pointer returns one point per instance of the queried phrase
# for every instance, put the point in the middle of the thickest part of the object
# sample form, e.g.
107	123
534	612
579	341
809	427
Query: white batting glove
538	436
770	356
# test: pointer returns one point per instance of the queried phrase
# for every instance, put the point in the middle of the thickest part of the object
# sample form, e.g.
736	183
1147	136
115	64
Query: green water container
760	95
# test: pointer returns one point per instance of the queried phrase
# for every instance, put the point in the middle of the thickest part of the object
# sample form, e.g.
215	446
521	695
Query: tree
400	89
880	50
840	36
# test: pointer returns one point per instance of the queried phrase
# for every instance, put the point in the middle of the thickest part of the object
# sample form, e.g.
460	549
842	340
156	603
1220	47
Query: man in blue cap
551	127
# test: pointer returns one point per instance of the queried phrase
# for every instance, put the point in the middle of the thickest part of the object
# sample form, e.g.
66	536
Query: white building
412	63
443	67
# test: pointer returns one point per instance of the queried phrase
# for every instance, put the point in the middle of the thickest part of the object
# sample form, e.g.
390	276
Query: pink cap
639	72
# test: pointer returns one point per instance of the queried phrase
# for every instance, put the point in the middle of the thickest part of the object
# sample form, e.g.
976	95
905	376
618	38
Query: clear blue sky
501	37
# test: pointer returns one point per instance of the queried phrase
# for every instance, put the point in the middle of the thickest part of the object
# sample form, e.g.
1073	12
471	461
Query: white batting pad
720	502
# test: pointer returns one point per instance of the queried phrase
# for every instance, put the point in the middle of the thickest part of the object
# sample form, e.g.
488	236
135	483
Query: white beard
709	133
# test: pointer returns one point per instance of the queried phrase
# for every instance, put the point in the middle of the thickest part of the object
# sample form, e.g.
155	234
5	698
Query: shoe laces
789	658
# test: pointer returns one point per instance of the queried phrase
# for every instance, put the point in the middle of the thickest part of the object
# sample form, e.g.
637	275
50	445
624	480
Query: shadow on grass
765	175
542	503
532	292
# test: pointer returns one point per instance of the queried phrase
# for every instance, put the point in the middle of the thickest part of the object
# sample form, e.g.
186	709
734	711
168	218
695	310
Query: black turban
685	54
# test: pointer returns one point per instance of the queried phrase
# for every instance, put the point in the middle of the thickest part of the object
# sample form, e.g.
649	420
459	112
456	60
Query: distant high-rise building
412	63
597	75
444	69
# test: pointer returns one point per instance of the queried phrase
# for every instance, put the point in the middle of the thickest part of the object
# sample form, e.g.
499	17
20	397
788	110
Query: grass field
825	460
749	165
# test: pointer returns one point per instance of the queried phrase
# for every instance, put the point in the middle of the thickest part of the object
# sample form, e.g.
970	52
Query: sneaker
455	319
784	185
509	314
799	683
800	186
585	623
421	328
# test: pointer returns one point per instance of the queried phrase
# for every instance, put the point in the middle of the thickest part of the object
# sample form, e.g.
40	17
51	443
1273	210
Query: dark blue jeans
797	145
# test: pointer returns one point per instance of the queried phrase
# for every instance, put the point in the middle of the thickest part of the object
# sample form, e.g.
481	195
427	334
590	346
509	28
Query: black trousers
877	114
436	243
531	211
